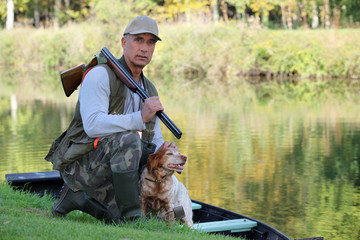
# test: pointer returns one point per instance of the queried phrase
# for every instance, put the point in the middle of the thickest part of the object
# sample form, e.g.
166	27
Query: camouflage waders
116	158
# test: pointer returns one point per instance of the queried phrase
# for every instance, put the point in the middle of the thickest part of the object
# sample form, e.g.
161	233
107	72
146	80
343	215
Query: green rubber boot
127	194
70	200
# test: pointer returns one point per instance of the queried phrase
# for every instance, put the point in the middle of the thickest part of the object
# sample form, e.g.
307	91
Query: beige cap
142	24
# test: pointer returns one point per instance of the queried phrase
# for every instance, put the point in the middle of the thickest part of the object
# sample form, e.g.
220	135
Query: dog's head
166	158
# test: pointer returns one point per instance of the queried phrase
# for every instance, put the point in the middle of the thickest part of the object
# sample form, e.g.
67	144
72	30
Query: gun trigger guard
101	59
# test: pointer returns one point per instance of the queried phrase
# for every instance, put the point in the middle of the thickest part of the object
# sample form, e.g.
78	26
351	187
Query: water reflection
26	131
295	168
13	104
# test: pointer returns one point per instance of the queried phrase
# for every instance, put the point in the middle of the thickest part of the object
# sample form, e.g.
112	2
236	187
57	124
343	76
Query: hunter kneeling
101	153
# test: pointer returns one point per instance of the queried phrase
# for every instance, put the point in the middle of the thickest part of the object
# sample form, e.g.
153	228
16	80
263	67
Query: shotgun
72	78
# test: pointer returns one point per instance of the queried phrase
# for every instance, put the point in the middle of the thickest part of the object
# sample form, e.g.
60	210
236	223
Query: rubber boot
70	200
127	194
147	148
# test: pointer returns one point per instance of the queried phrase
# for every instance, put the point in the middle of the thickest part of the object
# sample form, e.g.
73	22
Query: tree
262	8
215	11
36	14
178	10
304	6
57	6
10	14
315	15
293	13
240	6
223	6
326	13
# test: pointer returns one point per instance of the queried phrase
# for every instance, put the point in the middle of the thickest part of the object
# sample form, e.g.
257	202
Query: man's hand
151	106
166	144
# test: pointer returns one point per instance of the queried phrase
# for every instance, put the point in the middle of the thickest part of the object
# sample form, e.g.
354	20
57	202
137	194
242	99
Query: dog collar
156	180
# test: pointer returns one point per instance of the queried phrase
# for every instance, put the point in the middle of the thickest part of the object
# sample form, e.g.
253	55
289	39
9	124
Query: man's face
138	49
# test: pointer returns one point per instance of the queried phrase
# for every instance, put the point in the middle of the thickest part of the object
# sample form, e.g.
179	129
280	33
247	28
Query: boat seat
233	225
195	206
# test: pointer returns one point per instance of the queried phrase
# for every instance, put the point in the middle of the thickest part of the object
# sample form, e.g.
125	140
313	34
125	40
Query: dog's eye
169	153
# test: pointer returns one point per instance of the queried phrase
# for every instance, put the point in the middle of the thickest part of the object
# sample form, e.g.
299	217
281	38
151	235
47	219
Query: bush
213	53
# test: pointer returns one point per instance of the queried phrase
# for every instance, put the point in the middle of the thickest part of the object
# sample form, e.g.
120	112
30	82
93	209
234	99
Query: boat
206	217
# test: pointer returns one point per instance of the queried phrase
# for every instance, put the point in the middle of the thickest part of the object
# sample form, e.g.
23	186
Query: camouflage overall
93	172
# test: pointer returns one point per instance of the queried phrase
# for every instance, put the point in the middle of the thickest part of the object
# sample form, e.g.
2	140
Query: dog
160	191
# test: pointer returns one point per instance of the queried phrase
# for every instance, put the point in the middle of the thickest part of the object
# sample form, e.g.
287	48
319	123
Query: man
101	153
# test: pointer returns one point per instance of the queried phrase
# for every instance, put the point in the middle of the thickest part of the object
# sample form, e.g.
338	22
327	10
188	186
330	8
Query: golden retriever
160	191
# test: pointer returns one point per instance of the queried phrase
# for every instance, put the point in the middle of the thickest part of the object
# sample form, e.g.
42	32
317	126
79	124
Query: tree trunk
36	14
315	16
67	5
224	10
336	17
283	15
264	17
10	14
57	6
46	20
215	12
289	20
327	13
303	15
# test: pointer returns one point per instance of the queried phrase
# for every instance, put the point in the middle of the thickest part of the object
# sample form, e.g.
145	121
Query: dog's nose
183	157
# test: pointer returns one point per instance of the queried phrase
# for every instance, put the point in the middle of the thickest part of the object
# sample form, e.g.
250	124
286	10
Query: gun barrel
130	82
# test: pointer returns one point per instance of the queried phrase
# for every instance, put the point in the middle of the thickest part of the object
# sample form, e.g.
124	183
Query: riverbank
218	54
26	216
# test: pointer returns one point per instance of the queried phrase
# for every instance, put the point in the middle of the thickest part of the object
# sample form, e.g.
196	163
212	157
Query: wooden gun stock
72	78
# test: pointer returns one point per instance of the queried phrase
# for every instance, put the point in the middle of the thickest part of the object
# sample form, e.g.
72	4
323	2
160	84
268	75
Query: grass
27	216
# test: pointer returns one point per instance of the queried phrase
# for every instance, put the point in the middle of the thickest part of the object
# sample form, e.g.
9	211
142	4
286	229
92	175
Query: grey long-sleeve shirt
94	97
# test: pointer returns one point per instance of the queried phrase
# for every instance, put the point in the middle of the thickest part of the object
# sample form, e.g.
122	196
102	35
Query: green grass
27	216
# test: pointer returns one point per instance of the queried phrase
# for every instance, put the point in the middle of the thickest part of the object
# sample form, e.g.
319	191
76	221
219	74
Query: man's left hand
166	144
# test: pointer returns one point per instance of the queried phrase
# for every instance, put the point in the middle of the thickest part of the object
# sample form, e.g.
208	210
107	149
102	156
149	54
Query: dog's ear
151	163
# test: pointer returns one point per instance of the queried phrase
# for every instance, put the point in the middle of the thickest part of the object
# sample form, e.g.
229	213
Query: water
295	167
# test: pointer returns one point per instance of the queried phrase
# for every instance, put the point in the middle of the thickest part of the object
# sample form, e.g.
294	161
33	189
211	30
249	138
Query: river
294	165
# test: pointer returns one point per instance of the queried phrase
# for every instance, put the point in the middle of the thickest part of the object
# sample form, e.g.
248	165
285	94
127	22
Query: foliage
240	6
262	6
225	52
116	12
286	13
174	9
217	54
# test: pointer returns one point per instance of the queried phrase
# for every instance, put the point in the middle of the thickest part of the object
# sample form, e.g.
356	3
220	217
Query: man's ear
123	42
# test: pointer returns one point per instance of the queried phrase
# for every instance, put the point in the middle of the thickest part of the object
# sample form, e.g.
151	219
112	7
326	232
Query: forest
273	14
204	40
